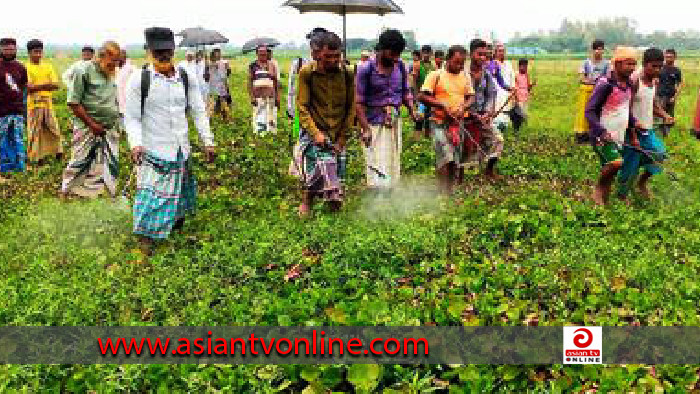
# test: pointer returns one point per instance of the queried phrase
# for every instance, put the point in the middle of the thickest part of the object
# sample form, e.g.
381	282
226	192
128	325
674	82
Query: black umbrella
197	36
344	7
253	44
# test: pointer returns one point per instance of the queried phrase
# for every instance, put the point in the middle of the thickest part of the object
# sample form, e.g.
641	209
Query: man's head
269	53
522	66
108	57
389	47
35	48
8	49
313	38
625	59
479	50
200	55
439	58
426	53
189	56
330	50
500	52
489	51
670	56
87	53
262	53
215	54
160	42
652	62
456	56
364	55
598	48
416	55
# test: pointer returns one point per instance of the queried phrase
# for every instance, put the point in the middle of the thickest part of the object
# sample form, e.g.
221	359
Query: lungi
584	94
322	170
634	159
448	144
12	154
44	135
264	116
166	192
94	164
384	154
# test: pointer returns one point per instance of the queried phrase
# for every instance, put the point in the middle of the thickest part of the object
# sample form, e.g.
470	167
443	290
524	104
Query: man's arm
361	90
198	110
594	108
76	92
350	119
291	88
304	103
132	116
250	85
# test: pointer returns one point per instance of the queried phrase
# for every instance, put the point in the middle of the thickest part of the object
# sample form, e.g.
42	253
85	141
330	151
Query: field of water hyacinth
531	249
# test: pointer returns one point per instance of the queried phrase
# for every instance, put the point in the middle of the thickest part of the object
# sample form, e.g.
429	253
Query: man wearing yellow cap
609	115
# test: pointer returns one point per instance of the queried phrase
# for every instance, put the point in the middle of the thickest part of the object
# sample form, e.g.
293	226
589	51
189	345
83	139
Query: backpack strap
186	84
145	85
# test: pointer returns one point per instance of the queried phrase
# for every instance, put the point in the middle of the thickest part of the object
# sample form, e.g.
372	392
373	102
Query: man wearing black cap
157	99
13	82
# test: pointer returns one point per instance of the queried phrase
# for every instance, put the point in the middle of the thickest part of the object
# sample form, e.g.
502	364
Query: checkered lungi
166	192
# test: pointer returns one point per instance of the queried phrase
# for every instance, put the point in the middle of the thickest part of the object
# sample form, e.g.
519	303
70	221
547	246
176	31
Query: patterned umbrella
344	7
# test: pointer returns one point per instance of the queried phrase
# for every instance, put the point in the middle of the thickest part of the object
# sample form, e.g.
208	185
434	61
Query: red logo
586	336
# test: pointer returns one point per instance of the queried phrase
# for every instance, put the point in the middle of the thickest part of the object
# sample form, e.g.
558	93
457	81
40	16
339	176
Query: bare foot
625	200
645	192
304	211
146	246
335	205
599	196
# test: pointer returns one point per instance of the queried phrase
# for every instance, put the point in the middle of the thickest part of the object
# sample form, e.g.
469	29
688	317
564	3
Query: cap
189	52
159	38
365	53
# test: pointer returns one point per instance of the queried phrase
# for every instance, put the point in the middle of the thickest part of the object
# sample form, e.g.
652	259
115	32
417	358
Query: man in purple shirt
13	83
381	87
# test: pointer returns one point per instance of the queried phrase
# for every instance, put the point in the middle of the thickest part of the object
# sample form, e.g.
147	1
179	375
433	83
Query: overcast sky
446	21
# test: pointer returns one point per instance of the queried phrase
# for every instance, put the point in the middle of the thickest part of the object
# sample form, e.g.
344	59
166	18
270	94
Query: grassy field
531	248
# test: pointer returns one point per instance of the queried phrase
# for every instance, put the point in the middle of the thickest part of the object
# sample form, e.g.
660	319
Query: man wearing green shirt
420	73
325	104
92	99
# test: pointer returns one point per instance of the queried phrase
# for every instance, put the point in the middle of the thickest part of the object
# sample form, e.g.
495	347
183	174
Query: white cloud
449	21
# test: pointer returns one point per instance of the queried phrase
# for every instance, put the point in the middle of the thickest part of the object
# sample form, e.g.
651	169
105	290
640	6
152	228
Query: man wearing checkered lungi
157	100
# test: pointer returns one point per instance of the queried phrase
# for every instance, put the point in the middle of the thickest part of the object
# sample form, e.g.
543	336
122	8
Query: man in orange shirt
449	92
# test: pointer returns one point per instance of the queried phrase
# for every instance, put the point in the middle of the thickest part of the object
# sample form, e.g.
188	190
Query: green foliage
576	36
529	249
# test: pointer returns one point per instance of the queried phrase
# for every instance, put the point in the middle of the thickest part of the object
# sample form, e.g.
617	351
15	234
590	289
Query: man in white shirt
189	64
158	135
502	95
87	54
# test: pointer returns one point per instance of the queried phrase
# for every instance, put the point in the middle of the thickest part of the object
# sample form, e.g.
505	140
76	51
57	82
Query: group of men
457	107
621	108
153	112
462	101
